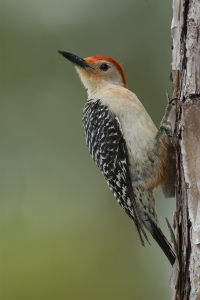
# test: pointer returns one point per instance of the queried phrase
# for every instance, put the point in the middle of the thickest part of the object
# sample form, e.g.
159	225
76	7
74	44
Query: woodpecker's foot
167	111
165	125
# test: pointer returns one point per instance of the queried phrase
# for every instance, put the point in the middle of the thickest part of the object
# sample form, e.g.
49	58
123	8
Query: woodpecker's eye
104	67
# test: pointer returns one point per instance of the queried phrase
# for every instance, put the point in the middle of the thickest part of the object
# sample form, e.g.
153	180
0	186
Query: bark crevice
185	279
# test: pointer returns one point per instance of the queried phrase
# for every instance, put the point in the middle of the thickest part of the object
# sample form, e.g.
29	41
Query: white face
101	74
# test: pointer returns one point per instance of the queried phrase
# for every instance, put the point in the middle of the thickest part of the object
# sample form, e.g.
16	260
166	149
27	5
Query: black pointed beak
75	59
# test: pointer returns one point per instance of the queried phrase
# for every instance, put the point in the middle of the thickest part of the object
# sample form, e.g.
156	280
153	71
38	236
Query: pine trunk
185	280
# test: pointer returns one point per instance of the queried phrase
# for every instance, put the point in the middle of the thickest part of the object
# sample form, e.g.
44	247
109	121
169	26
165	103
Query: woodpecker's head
97	71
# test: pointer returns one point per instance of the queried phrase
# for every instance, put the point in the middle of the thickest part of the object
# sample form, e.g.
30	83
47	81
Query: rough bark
185	279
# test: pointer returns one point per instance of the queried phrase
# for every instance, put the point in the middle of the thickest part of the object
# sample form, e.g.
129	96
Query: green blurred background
63	236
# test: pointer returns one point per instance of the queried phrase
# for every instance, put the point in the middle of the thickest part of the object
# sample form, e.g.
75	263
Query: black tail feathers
163	243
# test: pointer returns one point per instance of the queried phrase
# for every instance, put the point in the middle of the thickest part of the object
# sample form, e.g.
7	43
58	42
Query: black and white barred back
108	149
107	146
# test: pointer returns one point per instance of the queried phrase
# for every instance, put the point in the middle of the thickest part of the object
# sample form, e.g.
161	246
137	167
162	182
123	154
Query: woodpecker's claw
171	101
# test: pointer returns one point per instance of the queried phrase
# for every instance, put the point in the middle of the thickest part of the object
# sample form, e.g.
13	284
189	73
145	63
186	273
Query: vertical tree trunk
185	280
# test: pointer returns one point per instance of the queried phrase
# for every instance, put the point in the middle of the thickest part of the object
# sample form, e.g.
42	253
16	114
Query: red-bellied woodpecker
124	143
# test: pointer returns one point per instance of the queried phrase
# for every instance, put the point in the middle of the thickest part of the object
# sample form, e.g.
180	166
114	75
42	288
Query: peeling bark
185	29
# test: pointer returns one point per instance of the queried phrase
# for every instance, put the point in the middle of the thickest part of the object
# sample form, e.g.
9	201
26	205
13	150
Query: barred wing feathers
107	146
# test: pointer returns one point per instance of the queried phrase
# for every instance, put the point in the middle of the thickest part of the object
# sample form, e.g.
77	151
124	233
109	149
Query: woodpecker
124	143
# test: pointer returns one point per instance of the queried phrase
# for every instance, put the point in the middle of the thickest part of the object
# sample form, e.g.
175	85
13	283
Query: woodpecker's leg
165	126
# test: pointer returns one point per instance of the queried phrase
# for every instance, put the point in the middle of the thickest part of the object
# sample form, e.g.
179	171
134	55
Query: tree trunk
185	279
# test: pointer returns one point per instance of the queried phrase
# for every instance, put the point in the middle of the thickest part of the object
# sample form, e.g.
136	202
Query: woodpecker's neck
104	90
95	90
112	94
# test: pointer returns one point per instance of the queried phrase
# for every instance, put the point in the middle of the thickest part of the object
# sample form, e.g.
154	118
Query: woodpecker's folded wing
108	149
